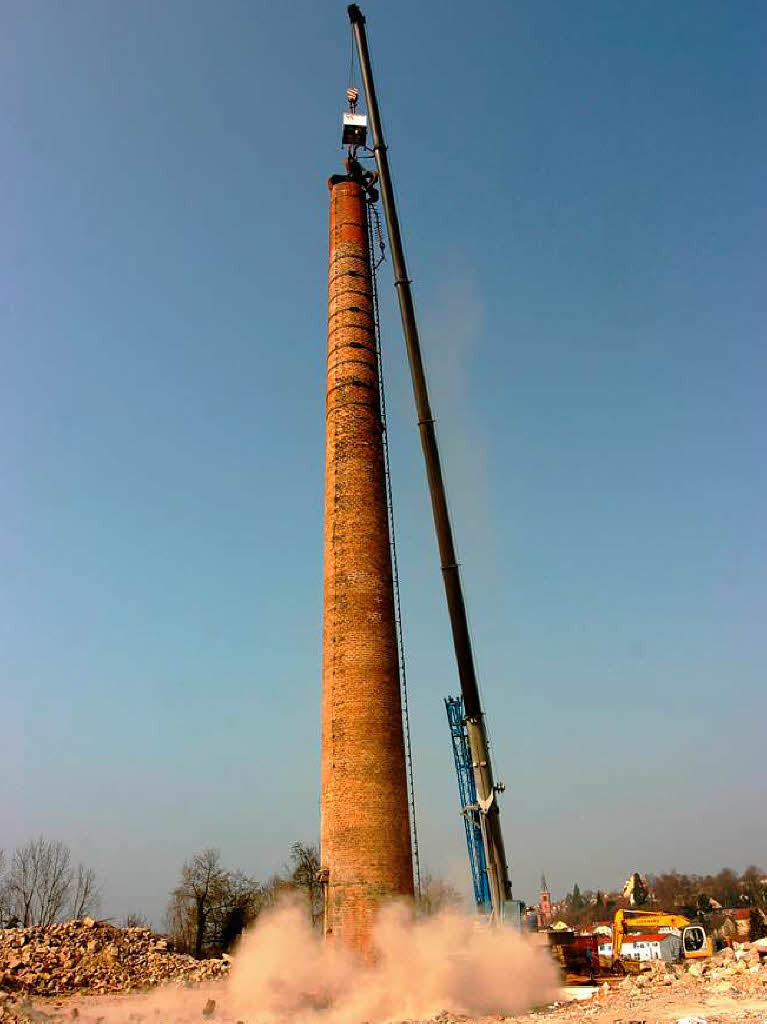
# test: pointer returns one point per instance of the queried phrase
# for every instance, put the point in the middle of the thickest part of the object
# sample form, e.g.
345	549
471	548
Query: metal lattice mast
469	808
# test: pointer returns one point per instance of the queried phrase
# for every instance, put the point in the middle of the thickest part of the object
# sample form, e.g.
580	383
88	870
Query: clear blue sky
582	193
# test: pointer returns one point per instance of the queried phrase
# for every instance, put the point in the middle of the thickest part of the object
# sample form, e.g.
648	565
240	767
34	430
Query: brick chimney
364	826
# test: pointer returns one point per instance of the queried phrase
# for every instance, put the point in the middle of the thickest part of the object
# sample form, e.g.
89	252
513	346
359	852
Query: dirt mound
90	956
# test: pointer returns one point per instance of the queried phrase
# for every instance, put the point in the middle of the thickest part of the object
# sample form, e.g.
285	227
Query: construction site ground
652	1007
92	973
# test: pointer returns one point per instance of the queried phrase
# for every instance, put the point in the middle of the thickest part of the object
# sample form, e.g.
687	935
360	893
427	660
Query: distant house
605	946
738	923
650	946
603	928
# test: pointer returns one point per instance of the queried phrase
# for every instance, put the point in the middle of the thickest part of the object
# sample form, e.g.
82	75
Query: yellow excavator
695	942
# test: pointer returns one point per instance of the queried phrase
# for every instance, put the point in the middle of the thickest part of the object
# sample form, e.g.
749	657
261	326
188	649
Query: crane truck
496	897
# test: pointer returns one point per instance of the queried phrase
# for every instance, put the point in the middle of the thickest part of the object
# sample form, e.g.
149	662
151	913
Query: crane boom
495	854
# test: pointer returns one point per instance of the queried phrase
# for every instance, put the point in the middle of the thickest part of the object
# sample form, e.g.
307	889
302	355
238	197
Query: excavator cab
695	942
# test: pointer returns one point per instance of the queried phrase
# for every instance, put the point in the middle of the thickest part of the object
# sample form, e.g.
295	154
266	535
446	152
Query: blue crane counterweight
469	806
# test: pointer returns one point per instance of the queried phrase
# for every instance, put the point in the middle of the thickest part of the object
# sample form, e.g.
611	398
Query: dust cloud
424	966
282	971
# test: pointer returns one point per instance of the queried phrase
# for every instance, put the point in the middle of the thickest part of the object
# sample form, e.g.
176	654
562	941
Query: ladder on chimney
374	229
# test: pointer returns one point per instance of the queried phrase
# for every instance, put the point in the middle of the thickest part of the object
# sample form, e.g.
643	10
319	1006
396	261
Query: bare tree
211	907
199	878
53	879
753	886
179	921
304	876
275	888
239	899
6	912
437	894
136	920
85	898
41	883
22	881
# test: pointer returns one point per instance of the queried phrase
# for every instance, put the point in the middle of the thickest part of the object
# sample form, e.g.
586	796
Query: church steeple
546	910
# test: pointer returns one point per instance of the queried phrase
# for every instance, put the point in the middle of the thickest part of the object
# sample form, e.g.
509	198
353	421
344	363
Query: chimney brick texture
364	826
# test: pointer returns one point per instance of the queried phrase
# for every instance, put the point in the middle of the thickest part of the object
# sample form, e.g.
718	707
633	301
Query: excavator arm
639	920
649	919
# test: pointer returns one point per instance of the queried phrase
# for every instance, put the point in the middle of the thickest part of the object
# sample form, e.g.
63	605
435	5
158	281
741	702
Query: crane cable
351	60
376	260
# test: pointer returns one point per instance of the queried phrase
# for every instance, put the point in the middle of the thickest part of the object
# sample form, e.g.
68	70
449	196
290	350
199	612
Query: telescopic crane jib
486	789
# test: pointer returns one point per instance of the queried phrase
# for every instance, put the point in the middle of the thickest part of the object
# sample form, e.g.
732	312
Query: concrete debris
739	970
89	959
735	977
94	957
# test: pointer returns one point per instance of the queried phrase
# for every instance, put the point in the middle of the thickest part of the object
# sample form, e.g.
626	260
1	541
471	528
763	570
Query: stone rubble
741	970
94	957
728	988
85	958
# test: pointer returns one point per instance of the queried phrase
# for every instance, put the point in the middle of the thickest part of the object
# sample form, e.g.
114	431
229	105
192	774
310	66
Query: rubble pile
736	972
90	956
